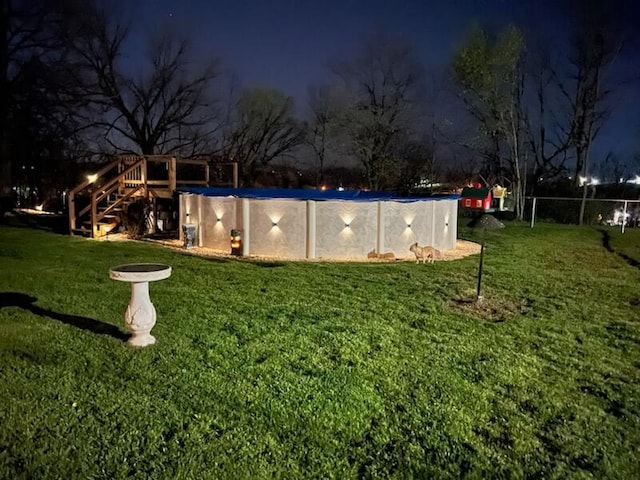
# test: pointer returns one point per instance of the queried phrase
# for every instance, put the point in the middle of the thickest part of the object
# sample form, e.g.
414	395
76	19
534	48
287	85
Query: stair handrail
98	174
100	192
72	193
107	186
99	195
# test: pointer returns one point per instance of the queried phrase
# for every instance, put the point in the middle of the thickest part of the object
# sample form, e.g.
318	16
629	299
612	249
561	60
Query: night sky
288	44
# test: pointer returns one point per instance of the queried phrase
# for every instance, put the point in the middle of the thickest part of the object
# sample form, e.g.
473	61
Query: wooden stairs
97	205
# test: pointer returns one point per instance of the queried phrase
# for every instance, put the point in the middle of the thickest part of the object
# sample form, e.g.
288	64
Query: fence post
71	204
94	215
200	211
173	174
533	212
624	215
143	177
235	174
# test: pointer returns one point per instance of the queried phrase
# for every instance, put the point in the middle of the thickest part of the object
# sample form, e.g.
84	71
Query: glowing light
219	213
347	218
92	178
341	189
275	217
39	207
347	231
236	242
619	217
635	180
591	181
275	231
323	188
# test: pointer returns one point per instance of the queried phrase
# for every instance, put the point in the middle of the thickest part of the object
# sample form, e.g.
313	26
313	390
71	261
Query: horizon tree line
525	115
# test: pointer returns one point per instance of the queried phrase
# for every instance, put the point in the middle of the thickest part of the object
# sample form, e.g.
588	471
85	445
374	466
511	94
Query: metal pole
533	211
479	289
624	215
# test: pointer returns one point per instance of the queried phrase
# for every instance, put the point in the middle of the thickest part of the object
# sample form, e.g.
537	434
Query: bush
136	218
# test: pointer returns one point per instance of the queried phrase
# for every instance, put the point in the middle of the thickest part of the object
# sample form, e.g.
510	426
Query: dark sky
288	44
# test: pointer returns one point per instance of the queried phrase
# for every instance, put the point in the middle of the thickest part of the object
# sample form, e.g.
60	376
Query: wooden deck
96	205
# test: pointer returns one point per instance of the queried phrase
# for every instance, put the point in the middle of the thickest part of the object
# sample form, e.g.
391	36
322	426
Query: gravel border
463	249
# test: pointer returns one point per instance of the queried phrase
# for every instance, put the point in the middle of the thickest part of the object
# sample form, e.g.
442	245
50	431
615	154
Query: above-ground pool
313	224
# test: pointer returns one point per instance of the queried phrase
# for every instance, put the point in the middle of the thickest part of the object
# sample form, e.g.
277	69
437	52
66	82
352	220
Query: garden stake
478	294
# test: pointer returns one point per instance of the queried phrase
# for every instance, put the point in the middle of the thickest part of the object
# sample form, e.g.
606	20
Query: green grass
318	370
626	244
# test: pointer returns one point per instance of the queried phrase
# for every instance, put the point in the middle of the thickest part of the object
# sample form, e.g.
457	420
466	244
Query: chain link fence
612	212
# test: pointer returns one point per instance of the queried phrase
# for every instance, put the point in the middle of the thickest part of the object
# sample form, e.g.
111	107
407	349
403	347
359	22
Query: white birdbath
140	316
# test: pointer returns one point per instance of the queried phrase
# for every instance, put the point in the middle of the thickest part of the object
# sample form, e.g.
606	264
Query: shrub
136	218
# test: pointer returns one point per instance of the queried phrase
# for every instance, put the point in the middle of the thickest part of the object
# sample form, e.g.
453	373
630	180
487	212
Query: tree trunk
580	166
6	183
585	187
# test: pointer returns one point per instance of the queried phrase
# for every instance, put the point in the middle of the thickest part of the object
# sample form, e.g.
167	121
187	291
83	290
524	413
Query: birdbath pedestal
140	316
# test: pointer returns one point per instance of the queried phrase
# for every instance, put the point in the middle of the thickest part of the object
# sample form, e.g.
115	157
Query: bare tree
614	168
165	107
423	156
416	162
383	85
322	117
599	34
547	134
37	98
263	128
489	72
595	46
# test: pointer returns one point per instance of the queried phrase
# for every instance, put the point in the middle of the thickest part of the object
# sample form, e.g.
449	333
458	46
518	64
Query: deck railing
125	178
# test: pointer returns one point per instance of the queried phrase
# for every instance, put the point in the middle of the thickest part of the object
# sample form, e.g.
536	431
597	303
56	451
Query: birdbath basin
140	316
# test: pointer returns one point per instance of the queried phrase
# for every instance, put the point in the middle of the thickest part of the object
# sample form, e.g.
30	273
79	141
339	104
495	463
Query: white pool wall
321	229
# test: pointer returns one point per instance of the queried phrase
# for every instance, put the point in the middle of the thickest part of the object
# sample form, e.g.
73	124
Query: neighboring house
476	199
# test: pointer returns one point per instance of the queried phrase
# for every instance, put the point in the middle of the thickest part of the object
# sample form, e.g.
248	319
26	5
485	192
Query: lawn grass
626	244
324	370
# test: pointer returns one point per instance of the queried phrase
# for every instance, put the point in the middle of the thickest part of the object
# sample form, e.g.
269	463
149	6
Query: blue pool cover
301	194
